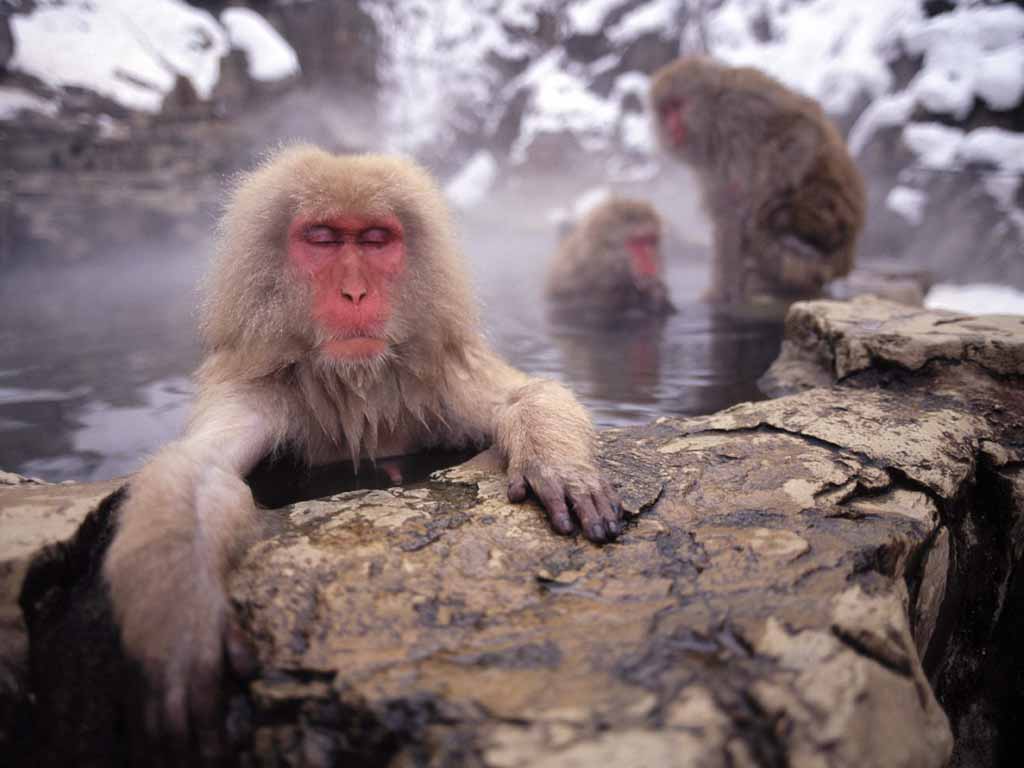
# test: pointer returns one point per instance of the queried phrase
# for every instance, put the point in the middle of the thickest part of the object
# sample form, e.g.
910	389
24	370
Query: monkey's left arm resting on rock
548	443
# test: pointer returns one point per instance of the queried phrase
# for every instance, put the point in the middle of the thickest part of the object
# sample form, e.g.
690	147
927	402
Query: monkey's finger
615	499
153	718
590	520
175	712
206	705
608	513
552	498
517	489
393	472
205	693
240	651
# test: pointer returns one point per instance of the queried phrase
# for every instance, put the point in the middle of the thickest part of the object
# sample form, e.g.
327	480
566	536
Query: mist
109	203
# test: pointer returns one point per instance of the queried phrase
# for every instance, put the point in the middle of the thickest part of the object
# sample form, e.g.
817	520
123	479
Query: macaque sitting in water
784	196
338	323
610	265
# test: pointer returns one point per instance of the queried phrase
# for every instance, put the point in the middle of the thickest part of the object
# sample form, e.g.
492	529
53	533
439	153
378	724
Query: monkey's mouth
354	347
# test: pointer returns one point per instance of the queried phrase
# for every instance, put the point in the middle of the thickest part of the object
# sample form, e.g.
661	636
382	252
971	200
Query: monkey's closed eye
669	106
375	236
320	234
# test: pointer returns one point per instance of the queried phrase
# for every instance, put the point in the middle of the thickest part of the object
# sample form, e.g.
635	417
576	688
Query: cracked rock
824	579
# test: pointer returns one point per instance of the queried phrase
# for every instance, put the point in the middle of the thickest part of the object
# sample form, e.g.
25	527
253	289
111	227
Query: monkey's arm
548	443
186	519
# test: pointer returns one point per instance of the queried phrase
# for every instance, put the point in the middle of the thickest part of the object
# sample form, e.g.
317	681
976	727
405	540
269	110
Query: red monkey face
351	263
672	115
644	254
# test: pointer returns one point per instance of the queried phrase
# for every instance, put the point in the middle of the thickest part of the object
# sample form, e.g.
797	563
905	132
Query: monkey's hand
179	529
548	441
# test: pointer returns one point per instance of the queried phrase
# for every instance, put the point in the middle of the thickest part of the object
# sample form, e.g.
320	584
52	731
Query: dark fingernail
564	525
614	527
597	532
516	491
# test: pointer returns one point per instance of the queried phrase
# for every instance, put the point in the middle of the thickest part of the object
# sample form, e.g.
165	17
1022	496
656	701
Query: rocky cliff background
119	120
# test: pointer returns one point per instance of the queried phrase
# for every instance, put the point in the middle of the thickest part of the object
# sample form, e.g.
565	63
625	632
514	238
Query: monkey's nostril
355	296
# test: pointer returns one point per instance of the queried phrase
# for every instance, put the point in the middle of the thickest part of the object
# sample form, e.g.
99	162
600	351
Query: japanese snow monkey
611	263
785	198
337	320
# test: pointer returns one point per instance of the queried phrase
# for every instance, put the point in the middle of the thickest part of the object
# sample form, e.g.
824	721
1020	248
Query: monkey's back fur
773	167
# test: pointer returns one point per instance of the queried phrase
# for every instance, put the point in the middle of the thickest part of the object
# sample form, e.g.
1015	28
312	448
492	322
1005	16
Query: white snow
977	50
894	109
833	50
934	144
974	51
562	103
15	100
995	147
586	17
907	202
656	16
269	55
127	50
977	299
471	184
521	13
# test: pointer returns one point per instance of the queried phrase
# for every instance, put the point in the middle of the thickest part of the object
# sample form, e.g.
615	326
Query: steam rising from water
95	357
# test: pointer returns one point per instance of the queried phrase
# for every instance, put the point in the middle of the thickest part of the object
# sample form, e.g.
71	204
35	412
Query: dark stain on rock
529	655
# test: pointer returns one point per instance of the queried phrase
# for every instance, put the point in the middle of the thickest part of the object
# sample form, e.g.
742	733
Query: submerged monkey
785	198
337	320
611	264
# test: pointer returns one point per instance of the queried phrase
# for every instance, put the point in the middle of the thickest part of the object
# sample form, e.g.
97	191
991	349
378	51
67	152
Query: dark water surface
95	358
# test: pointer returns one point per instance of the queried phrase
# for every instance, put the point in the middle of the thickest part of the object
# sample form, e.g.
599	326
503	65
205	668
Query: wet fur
591	269
189	515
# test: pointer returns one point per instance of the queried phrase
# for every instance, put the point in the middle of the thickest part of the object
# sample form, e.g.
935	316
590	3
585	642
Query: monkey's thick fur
263	386
786	200
591	270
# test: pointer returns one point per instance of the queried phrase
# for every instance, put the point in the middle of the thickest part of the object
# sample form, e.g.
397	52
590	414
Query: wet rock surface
826	579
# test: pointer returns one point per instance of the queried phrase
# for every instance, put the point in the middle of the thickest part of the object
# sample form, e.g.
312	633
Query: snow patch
654	17
977	299
587	17
832	50
269	55
126	50
968	52
908	203
562	103
934	144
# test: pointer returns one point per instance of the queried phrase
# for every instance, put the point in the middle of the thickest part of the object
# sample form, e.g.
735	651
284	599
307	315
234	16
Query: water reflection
95	359
697	361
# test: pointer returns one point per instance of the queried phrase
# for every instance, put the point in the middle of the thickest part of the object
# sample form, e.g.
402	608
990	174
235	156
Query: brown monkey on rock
337	320
610	264
785	198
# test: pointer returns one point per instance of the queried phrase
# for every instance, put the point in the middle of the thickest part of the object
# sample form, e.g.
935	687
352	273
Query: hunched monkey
611	262
786	200
337	318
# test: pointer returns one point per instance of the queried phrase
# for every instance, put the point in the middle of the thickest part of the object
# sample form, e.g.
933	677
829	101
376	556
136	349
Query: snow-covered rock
269	55
129	51
134	53
976	299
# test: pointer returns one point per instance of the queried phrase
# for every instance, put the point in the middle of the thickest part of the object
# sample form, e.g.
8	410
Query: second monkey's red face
352	263
645	255
672	115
